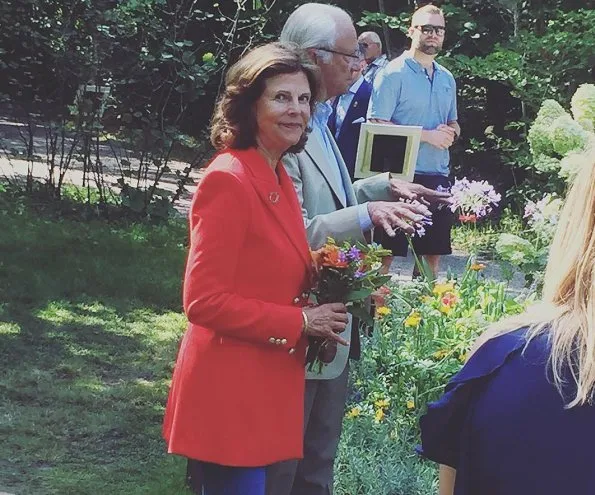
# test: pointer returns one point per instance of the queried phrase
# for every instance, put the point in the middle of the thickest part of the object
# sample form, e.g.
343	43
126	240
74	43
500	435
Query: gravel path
402	268
10	141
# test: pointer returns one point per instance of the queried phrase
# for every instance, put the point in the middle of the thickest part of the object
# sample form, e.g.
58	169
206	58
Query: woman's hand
327	321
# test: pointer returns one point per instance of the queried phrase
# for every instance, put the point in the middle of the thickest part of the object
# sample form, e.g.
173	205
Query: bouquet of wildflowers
473	199
346	273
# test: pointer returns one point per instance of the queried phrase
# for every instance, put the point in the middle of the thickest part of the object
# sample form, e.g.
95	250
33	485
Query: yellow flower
410	404
382	403
426	299
382	311
476	267
379	416
354	412
442	353
413	320
440	289
463	357
445	309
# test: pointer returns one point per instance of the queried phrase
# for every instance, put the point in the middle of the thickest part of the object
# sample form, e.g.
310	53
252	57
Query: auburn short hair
234	123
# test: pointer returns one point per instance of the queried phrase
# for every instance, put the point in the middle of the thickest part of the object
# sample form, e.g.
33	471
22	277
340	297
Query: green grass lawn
90	321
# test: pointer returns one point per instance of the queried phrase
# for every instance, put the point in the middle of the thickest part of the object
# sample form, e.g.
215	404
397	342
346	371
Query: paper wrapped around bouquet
337	365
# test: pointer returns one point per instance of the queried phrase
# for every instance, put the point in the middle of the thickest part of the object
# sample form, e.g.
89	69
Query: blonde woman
519	417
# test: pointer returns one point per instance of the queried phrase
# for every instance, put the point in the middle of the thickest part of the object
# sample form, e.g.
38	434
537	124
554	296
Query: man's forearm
341	225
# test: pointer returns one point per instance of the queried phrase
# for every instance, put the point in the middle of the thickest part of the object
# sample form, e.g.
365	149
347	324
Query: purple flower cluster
353	253
473	197
420	228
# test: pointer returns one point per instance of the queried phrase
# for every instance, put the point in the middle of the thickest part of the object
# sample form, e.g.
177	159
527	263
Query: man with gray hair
332	206
376	60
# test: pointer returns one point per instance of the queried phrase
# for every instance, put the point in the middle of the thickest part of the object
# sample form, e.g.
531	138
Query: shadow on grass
89	327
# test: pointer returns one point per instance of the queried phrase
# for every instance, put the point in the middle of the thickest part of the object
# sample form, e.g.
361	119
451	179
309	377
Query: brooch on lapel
274	197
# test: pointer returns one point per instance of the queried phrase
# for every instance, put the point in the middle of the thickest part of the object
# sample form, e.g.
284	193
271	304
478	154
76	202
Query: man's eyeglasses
355	56
428	29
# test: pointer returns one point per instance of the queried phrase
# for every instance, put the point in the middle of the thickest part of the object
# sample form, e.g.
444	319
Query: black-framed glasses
355	55
428	29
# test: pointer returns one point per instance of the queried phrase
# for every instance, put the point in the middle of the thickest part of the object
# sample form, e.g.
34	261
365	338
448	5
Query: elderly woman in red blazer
236	400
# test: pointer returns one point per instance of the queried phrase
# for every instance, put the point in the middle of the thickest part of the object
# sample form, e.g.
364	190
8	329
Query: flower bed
421	338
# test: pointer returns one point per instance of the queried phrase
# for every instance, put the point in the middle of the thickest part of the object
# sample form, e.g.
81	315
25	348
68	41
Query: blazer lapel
279	198
318	155
350	115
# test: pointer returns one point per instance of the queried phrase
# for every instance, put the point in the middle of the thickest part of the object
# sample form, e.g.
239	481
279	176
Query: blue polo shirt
404	94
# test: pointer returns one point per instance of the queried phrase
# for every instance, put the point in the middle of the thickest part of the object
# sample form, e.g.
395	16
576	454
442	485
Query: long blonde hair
567	311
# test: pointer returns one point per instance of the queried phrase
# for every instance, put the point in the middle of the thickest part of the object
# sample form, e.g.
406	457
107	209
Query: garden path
455	264
16	169
13	167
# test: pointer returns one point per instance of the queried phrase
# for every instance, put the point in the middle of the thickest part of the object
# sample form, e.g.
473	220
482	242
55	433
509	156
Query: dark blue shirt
502	424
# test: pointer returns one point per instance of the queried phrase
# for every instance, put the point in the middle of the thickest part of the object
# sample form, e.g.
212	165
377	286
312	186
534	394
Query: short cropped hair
234	123
426	9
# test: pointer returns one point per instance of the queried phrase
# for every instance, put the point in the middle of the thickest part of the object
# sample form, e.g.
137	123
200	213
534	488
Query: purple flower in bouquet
473	199
353	254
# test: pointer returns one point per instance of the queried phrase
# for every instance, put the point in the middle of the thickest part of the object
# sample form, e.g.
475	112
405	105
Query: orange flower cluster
448	300
468	218
329	255
379	296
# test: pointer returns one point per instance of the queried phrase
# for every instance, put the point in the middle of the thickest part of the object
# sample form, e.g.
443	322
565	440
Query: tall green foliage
164	61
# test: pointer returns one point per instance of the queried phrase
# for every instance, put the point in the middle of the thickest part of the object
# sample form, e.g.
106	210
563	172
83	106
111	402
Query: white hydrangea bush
582	106
561	141
539	133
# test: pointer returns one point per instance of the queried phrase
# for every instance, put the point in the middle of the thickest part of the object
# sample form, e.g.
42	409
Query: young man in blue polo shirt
415	90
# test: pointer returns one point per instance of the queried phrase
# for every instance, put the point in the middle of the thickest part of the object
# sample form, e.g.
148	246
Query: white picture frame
387	148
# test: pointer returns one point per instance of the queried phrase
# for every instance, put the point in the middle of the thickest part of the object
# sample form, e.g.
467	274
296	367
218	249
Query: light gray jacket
318	193
325	215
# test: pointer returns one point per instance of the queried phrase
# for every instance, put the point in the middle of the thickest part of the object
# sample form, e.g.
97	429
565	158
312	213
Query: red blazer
237	395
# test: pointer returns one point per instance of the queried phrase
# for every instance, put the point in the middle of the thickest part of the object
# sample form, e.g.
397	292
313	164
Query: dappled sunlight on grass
90	323
9	328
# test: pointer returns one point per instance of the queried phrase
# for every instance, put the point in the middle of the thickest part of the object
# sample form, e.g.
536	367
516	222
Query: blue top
405	94
502	424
